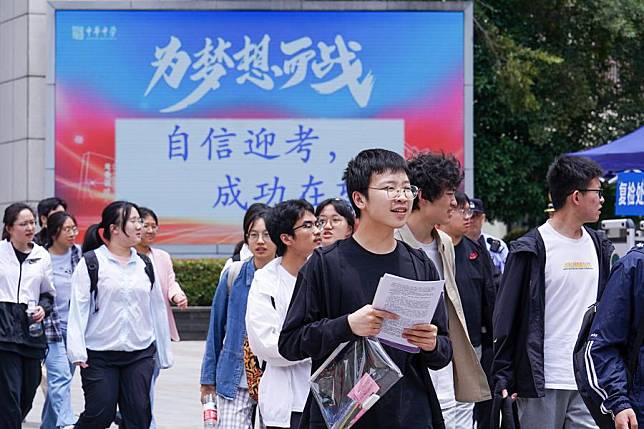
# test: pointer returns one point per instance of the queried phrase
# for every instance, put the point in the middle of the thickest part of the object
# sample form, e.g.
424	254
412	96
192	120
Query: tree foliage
550	76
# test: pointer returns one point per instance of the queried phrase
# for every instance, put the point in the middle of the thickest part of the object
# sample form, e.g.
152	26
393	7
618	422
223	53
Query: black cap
476	205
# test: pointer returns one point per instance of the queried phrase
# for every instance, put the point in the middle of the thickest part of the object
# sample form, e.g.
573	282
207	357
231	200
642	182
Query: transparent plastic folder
352	380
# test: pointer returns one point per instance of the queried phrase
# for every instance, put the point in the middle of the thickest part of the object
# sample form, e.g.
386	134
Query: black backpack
580	363
92	269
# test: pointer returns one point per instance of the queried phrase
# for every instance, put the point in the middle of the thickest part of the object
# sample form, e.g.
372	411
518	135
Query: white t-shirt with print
571	277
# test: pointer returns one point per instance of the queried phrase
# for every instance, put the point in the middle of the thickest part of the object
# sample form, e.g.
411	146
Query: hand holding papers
413	301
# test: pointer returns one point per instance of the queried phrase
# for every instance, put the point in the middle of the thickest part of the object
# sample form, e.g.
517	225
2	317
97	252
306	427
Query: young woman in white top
25	275
114	334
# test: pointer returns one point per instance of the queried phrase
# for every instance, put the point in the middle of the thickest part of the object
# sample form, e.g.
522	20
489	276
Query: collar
408	237
111	257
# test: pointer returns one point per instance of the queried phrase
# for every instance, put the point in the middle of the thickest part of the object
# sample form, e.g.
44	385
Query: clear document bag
352	379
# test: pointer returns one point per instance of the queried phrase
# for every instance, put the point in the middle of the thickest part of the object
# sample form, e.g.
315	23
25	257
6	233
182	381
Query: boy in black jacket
331	302
553	273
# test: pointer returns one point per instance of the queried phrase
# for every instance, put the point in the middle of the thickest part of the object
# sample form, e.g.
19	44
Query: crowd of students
302	281
104	308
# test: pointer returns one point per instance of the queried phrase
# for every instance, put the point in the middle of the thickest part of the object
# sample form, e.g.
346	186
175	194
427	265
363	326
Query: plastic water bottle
35	328
209	411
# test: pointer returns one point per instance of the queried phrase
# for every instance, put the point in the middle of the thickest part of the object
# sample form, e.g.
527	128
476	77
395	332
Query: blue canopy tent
625	153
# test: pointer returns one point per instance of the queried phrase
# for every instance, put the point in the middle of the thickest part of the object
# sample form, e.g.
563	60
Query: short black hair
569	173
47	205
251	215
282	218
461	199
249	220
360	169
341	206
434	173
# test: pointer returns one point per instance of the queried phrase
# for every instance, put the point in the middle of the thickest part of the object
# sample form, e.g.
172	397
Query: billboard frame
466	7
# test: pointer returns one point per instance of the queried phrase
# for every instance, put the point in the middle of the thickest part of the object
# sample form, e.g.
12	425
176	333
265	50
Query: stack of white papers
413	301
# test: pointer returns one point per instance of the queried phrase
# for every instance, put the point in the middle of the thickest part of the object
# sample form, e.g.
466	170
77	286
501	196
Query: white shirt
284	386
571	277
431	250
24	283
124	321
442	379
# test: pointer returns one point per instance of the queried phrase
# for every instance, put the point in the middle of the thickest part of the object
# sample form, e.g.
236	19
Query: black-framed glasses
309	224
600	191
410	191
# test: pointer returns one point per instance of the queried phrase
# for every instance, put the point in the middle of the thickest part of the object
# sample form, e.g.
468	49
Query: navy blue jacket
518	321
613	331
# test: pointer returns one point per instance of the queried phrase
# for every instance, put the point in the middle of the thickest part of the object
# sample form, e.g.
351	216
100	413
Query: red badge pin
474	255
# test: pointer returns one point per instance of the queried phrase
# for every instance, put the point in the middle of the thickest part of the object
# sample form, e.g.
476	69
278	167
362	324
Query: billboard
199	113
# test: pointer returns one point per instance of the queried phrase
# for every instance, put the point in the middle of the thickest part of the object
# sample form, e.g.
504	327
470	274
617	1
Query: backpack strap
92	270
633	356
149	268
233	273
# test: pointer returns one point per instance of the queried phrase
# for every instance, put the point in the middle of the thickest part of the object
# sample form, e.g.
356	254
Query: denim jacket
223	359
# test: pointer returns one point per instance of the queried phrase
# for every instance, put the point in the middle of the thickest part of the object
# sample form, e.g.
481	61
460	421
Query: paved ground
177	404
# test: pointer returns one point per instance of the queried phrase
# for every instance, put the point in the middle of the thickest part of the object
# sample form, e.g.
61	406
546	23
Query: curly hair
434	173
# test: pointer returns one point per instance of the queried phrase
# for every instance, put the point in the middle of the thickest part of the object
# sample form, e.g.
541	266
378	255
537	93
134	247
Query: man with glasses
335	289
476	290
438	176
284	386
552	275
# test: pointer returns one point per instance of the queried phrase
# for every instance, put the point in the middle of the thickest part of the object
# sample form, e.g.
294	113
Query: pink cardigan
169	286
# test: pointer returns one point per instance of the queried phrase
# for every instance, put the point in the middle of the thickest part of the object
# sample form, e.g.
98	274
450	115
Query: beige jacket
470	383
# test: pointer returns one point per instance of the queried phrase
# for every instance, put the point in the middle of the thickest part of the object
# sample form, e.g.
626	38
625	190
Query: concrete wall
23	64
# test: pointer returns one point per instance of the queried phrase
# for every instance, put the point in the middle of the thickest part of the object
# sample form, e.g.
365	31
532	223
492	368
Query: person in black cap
496	247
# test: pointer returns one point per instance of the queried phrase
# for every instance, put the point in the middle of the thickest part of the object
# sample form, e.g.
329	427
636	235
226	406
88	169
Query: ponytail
116	213
93	239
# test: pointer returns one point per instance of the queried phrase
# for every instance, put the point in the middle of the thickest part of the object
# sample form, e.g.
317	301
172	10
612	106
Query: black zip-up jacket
519	313
329	287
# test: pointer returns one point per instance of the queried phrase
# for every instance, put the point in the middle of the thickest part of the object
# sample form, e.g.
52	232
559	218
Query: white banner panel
213	169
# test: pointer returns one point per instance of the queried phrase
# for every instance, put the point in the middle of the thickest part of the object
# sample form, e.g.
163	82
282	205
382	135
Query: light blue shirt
62	269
